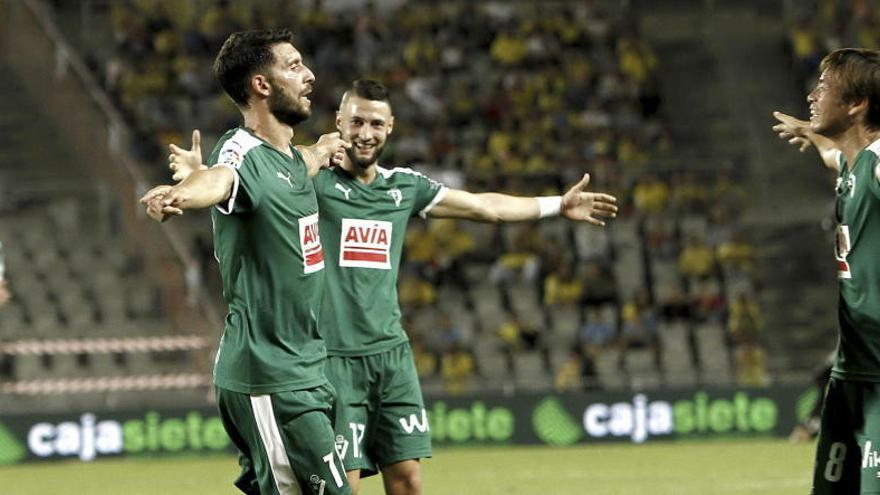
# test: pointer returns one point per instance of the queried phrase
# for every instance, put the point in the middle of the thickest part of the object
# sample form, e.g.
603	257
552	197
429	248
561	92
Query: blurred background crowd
520	97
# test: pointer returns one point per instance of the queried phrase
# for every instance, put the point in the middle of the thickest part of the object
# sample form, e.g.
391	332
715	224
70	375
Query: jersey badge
847	187
396	195
365	244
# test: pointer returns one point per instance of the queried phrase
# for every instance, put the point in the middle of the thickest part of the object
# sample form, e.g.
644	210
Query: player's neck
854	140
265	126
364	175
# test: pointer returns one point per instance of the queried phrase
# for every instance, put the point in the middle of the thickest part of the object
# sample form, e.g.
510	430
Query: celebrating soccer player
365	208
844	127
272	393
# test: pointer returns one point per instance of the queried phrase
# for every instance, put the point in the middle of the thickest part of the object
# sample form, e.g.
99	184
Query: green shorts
380	415
848	452
285	440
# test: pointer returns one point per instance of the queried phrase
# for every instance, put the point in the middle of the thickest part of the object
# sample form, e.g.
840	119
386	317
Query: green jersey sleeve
232	152
428	192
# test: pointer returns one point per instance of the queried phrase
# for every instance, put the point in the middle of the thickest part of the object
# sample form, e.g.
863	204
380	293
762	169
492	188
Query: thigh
400	425
350	378
237	429
289	441
838	454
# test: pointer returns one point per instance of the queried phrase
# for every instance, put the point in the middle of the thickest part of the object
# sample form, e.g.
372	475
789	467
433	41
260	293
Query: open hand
184	162
580	205
793	130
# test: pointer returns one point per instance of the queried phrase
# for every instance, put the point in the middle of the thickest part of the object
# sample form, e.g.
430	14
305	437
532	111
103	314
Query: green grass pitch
700	468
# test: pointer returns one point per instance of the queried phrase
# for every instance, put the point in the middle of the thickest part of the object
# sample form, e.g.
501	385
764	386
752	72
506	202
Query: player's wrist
549	206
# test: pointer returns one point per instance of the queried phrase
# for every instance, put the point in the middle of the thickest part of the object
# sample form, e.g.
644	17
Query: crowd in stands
492	96
819	26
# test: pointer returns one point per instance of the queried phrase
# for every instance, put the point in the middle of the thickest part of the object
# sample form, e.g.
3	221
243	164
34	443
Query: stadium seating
574	92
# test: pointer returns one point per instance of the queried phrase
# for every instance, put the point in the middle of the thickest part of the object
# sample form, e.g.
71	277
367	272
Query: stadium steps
799	297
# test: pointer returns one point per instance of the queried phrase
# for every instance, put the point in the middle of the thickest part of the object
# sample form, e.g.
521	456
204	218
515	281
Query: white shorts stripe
282	472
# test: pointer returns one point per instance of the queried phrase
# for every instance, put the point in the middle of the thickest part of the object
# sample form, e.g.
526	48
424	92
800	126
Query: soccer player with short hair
273	396
844	127
365	209
381	422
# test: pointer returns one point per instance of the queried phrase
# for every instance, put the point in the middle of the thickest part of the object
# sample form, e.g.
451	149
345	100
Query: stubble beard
288	110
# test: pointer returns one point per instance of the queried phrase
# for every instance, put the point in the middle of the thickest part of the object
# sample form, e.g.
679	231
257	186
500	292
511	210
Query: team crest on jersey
365	244
341	446
841	250
846	187
396	195
310	242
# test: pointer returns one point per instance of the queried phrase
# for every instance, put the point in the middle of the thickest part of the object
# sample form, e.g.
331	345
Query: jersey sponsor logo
365	244
345	190
414	422
310	242
870	458
842	247
285	178
396	195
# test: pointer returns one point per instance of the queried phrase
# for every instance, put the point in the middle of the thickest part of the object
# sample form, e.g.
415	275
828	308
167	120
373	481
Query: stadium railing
38	54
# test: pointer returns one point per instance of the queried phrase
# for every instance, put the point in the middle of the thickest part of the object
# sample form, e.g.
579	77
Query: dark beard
361	162
287	110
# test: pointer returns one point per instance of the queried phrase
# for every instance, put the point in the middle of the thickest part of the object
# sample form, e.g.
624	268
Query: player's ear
260	85
390	124
857	108
339	124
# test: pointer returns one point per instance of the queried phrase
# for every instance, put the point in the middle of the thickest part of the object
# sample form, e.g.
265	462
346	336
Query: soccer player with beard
274	399
381	423
844	127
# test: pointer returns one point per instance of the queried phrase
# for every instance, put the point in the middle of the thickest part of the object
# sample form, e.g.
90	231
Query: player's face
291	83
366	124
828	113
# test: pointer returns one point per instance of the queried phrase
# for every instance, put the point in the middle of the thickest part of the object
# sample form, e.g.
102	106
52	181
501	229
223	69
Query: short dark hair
243	54
369	90
858	70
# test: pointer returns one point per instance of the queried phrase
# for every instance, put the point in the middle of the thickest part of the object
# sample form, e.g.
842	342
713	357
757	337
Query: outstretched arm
328	150
577	204
798	132
200	189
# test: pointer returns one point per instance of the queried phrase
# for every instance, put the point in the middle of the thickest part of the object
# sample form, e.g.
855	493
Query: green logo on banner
805	405
553	425
11	451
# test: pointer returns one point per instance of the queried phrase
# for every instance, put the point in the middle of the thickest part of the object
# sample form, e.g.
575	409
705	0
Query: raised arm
798	132
200	189
328	150
577	204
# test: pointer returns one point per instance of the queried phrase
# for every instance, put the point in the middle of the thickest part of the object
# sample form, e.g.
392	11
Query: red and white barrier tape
104	346
106	384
